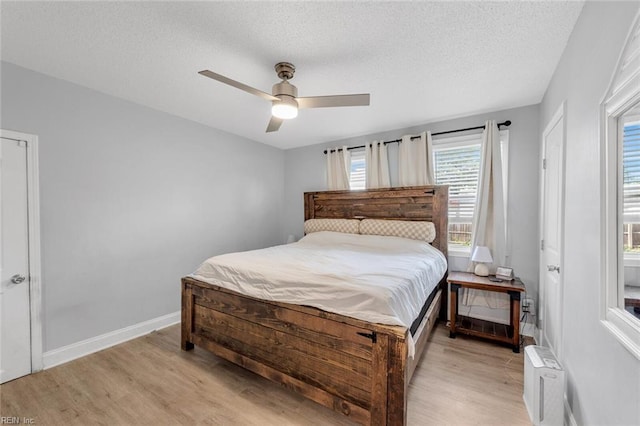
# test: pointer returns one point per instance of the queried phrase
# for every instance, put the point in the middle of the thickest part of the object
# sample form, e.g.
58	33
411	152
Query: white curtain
377	165
489	227
415	161
338	166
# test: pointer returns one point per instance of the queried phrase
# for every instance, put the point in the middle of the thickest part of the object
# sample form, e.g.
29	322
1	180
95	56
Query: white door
15	327
552	211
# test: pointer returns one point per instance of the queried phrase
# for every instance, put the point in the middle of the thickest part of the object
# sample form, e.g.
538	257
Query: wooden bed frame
354	367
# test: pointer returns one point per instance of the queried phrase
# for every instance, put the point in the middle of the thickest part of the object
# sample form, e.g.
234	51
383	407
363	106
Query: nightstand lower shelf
481	328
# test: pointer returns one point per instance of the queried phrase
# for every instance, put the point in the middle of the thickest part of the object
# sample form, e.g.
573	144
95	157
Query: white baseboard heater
544	383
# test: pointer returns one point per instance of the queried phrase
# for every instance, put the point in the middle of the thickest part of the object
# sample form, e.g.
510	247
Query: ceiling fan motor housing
284	88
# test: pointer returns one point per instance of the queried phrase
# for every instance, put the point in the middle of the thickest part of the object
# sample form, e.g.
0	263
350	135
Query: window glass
357	173
458	165
630	217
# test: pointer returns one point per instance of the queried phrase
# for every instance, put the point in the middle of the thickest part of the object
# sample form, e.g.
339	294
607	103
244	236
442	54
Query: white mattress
374	278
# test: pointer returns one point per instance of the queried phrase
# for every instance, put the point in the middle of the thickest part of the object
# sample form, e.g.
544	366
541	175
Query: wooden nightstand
476	327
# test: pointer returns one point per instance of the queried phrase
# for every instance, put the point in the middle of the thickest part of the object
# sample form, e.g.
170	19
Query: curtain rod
506	123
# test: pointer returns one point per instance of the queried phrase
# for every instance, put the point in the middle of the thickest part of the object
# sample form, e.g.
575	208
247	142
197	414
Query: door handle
552	268
17	279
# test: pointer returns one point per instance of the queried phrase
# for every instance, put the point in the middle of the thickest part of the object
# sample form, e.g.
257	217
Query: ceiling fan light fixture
286	108
284	96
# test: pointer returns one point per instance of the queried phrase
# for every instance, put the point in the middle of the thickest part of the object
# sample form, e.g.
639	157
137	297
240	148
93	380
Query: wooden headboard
405	203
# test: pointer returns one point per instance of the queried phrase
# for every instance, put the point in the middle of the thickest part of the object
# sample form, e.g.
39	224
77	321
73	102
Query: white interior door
552	211
15	326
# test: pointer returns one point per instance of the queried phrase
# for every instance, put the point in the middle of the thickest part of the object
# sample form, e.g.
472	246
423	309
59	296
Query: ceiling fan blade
333	101
274	124
238	85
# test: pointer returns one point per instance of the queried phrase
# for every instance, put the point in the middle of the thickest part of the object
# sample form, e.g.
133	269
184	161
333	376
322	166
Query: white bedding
374	278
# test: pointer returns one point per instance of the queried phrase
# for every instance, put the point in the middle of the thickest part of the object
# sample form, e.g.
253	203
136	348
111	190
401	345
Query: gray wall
603	377
305	170
132	199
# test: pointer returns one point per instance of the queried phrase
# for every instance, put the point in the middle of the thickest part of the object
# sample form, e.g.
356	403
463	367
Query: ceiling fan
284	98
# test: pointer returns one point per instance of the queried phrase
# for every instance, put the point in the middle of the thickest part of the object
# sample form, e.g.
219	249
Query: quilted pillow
415	230
346	226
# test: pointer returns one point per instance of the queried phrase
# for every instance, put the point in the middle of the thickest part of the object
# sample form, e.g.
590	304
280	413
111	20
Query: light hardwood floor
150	381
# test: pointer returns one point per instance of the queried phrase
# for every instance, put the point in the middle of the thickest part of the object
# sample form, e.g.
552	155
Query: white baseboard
104	341
569	420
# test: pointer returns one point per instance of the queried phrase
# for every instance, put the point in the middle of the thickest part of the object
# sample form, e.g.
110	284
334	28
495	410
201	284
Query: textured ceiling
421	61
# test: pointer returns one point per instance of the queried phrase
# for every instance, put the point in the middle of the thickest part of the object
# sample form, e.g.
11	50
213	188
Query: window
357	175
621	200
457	164
621	312
629	197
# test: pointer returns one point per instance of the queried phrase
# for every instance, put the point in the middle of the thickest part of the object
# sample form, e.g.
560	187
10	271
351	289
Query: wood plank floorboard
150	381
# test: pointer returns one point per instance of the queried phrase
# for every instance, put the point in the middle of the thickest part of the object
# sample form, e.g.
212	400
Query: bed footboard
353	367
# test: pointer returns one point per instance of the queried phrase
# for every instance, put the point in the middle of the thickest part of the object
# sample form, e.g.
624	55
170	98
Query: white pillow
346	226
415	230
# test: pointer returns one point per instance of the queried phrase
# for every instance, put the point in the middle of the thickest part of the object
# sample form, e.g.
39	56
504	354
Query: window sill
632	260
625	329
456	252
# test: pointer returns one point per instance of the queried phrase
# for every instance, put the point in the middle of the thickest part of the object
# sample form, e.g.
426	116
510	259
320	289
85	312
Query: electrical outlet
528	306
